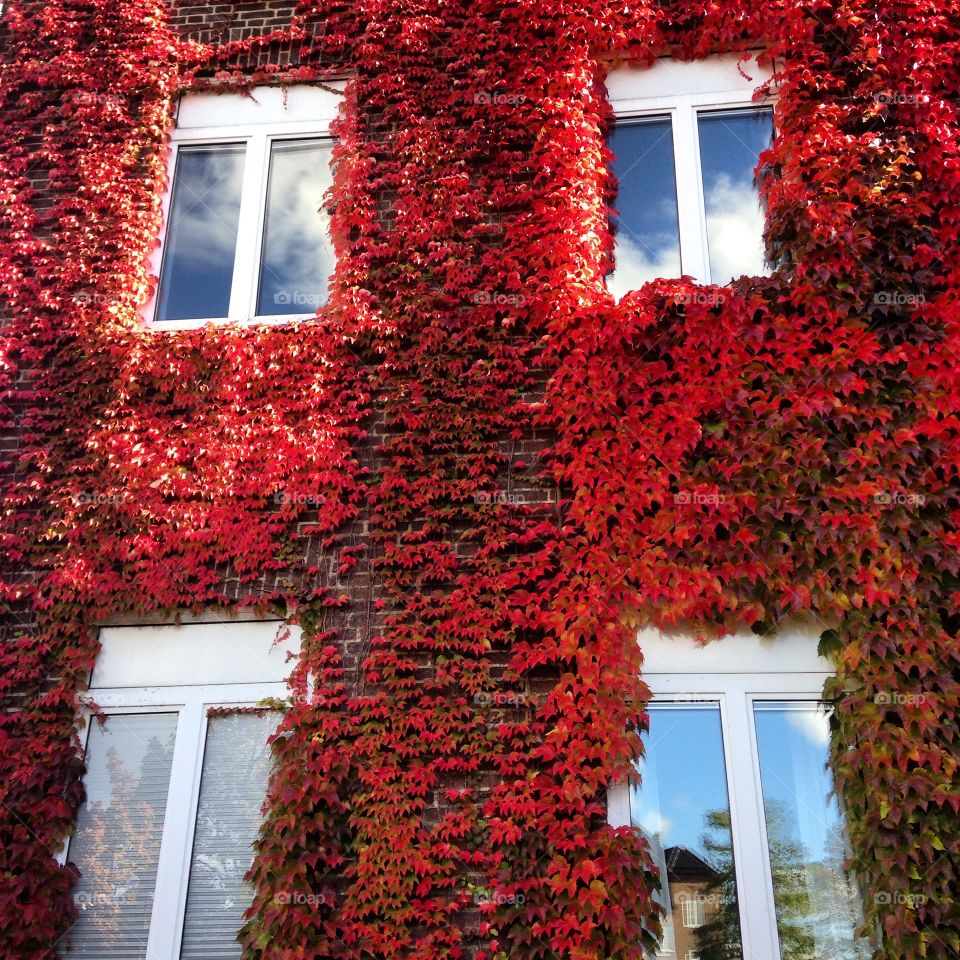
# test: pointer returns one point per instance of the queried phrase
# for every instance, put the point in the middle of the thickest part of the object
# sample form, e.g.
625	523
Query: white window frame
736	672
682	91
267	115
668	946
192	703
692	913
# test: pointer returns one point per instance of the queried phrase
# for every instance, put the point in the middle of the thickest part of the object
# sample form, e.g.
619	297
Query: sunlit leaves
531	467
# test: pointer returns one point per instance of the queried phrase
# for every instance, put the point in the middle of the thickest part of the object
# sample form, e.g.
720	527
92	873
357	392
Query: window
686	144
246	235
692	913
668	946
175	782
736	800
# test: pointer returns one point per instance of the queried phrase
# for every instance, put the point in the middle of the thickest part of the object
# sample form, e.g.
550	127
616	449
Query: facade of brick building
394	398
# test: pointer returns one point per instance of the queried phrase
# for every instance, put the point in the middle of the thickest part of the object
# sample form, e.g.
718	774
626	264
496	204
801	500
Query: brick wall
358	621
221	24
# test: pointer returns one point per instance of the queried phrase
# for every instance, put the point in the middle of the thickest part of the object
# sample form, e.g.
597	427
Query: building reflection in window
683	808
817	903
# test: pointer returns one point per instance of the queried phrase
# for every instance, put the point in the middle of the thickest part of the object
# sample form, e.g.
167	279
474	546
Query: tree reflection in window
719	937
817	903
683	809
116	846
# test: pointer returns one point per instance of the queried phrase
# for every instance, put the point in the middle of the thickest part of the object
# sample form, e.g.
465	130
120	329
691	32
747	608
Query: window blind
116	845
236	766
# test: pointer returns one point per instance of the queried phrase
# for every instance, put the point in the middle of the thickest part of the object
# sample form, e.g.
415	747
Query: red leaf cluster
520	453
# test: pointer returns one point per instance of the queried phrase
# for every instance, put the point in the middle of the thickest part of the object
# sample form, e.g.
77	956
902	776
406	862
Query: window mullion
244	266
758	922
693	245
177	829
193	810
618	804
259	227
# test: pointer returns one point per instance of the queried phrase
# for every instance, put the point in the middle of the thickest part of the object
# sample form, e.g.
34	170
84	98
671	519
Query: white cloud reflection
637	262
654	824
734	229
298	252
205	231
813	726
734	234
202	234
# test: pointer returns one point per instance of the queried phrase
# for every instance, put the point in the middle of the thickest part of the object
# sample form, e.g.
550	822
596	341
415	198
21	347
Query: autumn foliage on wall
447	798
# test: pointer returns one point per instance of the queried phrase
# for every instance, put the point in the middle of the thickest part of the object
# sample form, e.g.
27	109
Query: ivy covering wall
468	321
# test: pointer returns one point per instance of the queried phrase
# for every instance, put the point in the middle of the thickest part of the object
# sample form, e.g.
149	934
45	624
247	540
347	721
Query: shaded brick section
251	26
219	23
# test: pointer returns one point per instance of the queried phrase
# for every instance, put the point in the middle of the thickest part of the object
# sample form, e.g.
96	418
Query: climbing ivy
517	450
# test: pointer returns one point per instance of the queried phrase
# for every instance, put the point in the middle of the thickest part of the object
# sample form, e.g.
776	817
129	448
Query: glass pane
731	142
201	242
297	250
817	905
646	226
117	842
683	809
236	765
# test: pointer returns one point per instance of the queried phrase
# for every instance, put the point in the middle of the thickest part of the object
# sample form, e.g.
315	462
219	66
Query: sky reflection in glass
297	254
818	908
646	226
201	239
731	142
683	808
